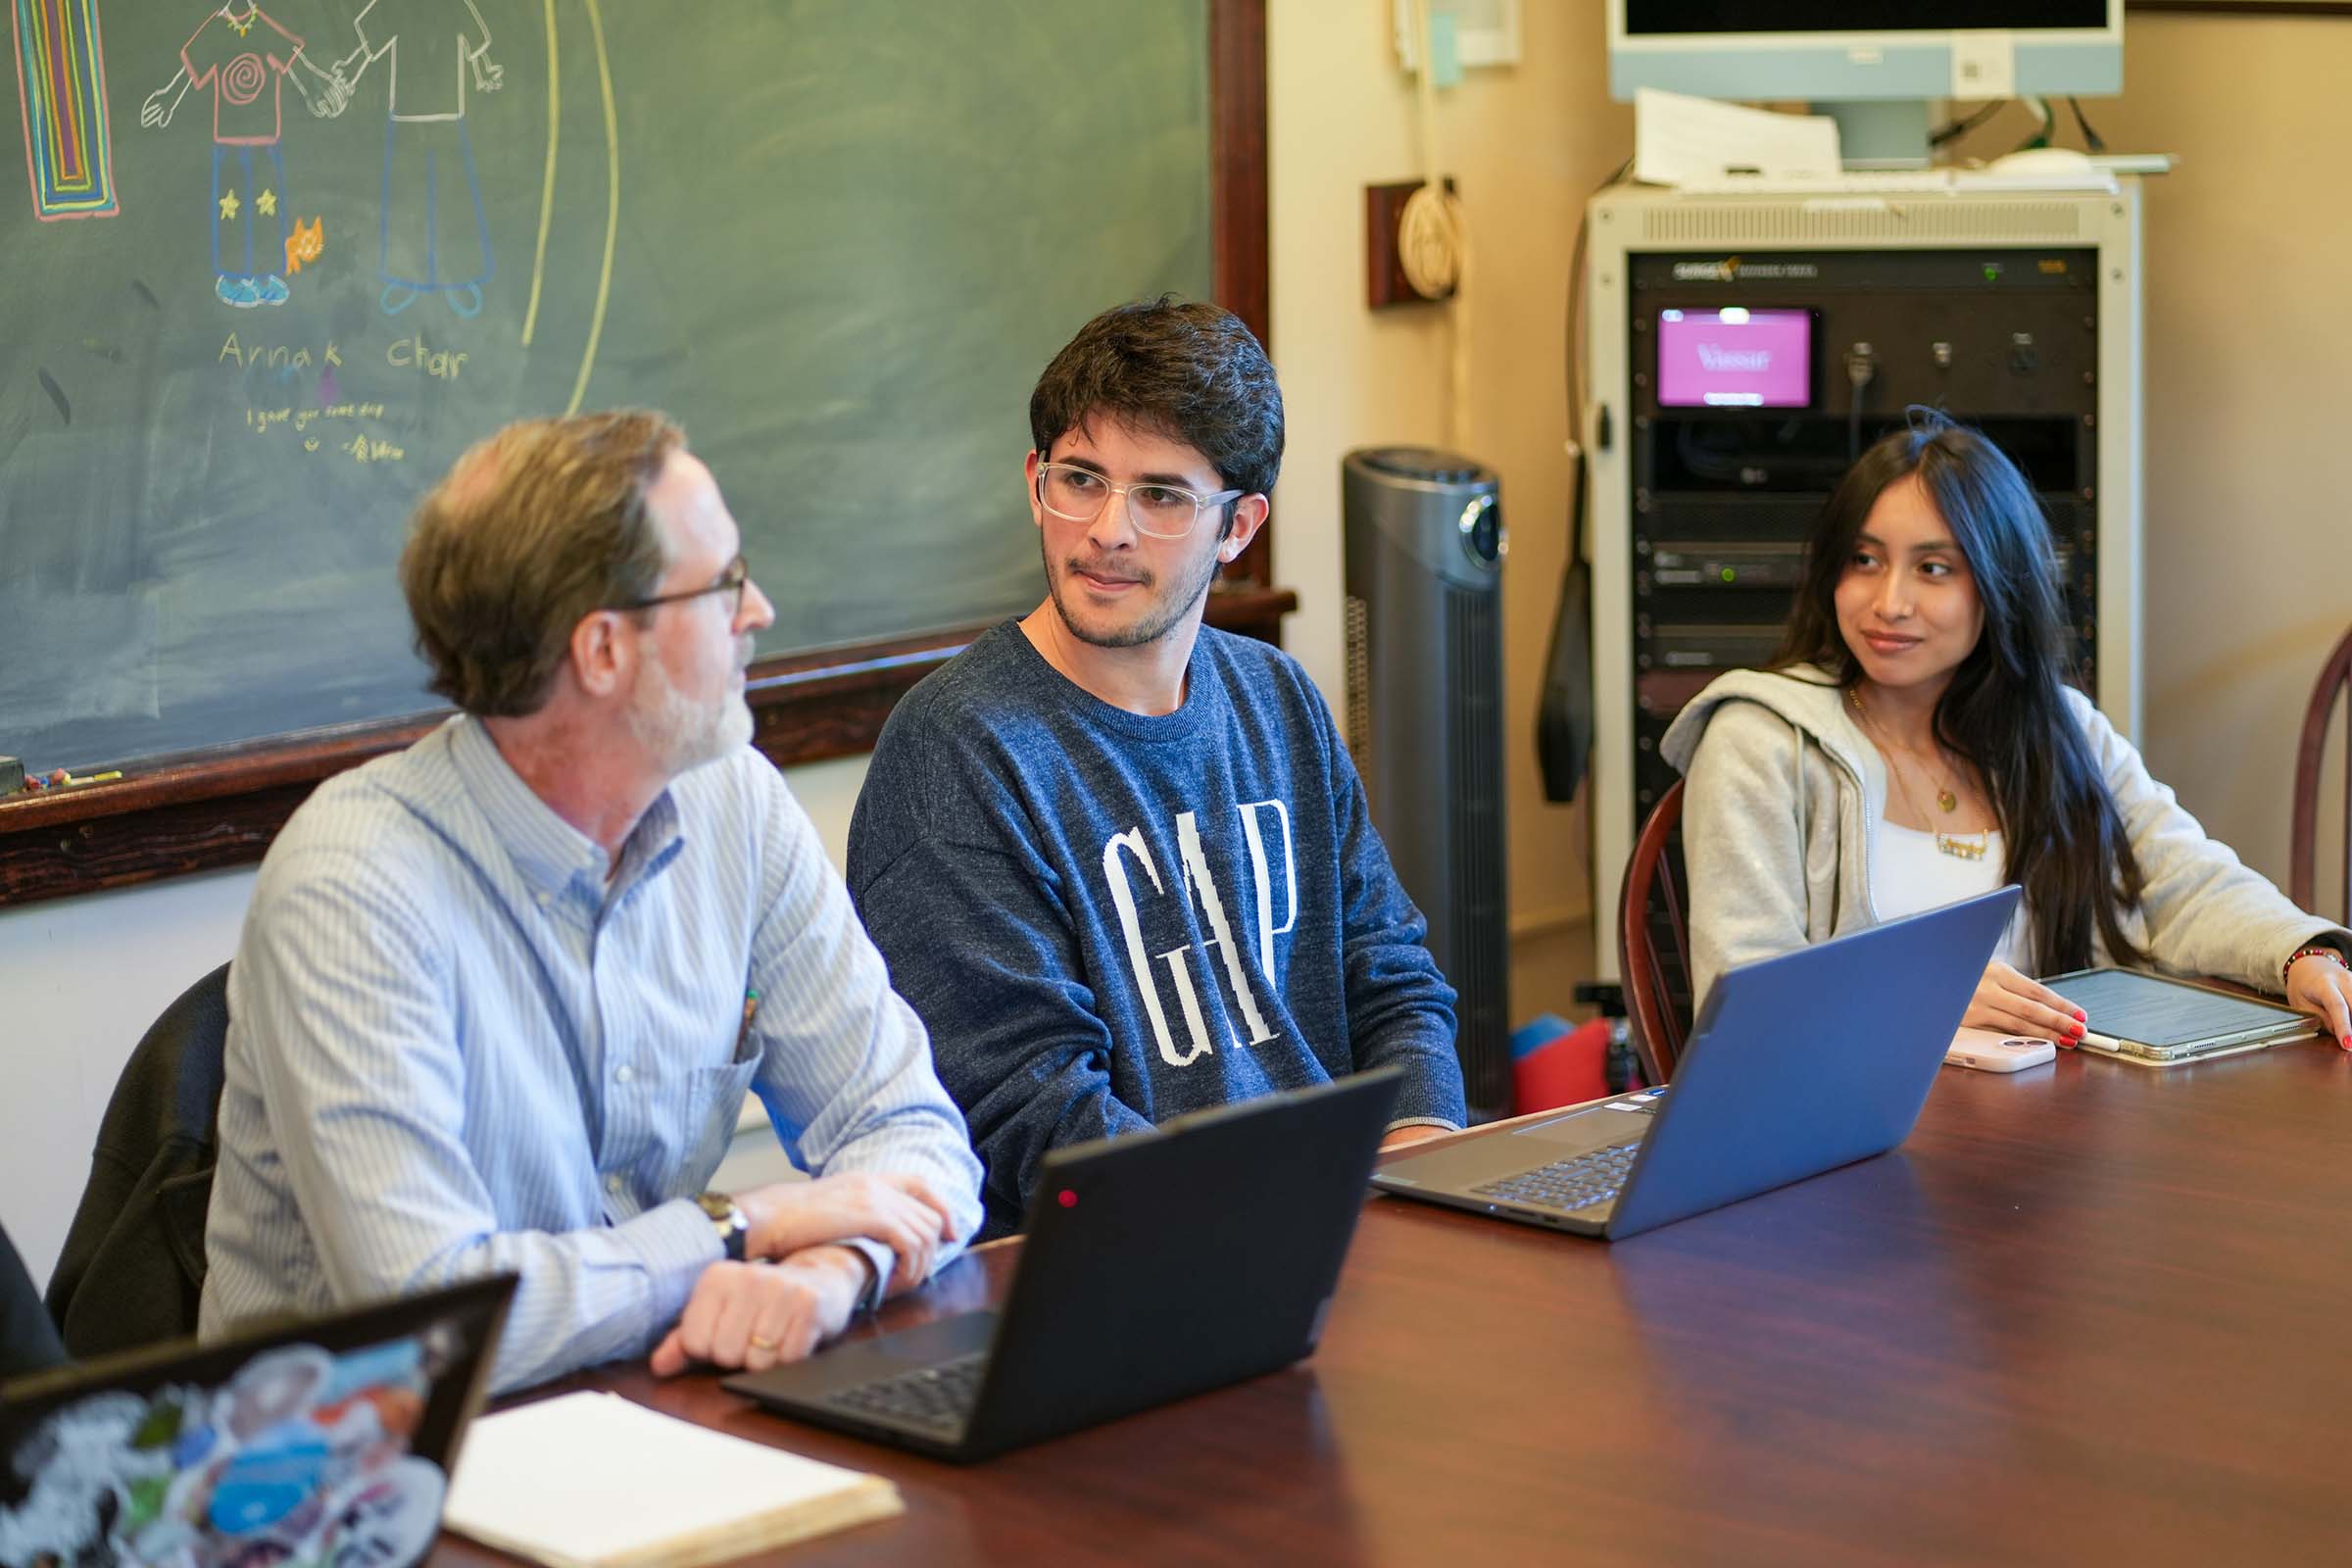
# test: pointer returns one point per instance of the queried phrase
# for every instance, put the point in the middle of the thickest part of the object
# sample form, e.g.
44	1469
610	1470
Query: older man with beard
499	997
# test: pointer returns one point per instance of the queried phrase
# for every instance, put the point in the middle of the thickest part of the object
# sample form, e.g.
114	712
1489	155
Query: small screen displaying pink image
1735	359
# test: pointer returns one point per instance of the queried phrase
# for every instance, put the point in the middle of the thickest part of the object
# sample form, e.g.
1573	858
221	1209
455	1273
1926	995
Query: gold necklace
1958	848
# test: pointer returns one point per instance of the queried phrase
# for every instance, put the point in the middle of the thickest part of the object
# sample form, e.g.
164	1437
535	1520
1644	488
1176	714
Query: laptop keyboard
938	1396
1568	1183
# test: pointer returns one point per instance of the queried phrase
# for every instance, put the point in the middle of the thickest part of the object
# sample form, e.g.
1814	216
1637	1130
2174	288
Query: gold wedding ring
758	1344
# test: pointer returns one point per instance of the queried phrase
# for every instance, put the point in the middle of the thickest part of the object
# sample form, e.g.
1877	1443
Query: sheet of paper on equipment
1679	140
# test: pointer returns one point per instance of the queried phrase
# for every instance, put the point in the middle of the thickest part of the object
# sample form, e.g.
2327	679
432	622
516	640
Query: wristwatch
733	1227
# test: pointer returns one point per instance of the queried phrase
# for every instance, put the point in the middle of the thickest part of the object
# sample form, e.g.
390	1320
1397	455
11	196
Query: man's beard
680	733
1154	624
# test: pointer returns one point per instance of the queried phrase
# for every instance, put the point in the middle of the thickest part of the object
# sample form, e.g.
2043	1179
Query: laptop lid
326	1441
1810	1061
1160	1265
1154	1265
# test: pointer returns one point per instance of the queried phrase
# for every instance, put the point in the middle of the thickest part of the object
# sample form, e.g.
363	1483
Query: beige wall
1526	143
2247	464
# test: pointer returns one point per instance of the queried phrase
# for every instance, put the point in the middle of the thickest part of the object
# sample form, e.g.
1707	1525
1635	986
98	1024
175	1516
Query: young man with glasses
1119	861
499	995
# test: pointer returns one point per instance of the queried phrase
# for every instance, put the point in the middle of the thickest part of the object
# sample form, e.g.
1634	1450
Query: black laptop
323	1441
1157	1265
1797	1065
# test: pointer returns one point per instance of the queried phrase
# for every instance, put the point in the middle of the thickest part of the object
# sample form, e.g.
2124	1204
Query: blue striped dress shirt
455	1047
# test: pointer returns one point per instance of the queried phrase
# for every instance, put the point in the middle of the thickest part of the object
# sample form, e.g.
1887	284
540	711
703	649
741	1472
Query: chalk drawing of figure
433	238
244	59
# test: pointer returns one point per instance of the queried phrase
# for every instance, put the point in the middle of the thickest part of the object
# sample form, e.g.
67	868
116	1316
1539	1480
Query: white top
1908	873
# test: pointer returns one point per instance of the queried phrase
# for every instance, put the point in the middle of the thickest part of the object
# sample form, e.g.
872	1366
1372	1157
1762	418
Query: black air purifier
1424	541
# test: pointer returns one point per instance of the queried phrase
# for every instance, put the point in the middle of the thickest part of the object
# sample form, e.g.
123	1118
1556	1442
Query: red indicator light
1069	1200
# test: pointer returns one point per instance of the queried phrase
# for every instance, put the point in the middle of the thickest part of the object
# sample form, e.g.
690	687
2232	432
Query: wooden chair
2328	693
1654	943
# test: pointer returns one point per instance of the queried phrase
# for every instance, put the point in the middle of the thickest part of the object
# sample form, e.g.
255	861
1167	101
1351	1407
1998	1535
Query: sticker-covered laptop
327	1441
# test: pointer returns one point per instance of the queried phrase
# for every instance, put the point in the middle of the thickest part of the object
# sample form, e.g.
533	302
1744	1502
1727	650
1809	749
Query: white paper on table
594	1478
1679	139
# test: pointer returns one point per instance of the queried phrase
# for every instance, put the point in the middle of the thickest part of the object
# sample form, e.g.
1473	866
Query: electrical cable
2092	139
1564	711
1959	128
2049	120
1433	238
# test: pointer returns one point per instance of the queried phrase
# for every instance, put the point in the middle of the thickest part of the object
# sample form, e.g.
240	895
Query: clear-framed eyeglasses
1162	510
730	584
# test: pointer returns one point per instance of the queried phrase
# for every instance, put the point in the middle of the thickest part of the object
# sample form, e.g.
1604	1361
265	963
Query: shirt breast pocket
714	1100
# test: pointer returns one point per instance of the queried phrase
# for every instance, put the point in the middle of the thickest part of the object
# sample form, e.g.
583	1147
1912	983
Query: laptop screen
328	1442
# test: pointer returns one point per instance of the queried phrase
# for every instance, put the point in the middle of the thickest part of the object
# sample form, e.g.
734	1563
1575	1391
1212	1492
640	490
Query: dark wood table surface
2089	1313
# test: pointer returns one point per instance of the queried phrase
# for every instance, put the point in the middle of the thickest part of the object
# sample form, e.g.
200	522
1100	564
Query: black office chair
133	1262
29	1341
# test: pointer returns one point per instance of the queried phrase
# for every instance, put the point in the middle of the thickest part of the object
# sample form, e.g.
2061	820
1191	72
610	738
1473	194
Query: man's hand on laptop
900	1211
756	1315
2010	1003
1399	1137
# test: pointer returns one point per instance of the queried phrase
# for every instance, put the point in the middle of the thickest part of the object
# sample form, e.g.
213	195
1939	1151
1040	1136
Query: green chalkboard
837	240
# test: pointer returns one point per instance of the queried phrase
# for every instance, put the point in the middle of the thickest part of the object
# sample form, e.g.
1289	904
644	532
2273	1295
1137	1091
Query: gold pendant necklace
1951	844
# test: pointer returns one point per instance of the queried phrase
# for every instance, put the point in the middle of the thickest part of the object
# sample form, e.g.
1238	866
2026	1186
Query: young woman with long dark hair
1915	741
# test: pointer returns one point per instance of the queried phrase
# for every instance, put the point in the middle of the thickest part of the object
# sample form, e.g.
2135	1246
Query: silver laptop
1796	1065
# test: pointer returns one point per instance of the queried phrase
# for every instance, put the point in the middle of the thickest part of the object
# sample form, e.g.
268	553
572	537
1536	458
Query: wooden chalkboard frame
202	811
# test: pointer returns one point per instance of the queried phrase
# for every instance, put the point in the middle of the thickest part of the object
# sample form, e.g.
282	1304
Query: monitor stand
1880	132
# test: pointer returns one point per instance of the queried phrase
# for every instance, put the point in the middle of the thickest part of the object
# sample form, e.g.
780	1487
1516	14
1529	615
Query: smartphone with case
1990	1051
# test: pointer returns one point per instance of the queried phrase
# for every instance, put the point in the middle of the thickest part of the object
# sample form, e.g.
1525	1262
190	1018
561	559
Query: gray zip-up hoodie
1777	816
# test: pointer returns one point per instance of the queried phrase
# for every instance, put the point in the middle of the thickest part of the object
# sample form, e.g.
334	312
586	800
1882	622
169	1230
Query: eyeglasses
1162	510
731	582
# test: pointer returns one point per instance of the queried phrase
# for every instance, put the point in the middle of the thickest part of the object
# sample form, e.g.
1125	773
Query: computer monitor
1874	64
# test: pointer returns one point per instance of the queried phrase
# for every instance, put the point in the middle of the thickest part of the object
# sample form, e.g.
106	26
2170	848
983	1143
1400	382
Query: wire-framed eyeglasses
1162	510
730	582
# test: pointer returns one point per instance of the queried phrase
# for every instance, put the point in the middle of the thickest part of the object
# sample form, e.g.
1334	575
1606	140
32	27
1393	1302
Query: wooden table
2089	1314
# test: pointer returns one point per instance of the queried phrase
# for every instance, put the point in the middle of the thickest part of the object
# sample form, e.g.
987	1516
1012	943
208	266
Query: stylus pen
2099	1041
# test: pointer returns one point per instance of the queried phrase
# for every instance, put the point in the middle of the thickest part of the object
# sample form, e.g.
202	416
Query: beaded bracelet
2316	949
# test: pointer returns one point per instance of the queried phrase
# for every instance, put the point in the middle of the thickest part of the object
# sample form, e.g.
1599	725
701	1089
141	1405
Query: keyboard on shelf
1863	182
1568	1183
938	1396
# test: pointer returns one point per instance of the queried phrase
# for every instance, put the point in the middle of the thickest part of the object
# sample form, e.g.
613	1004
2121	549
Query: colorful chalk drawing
246	58
61	78
424	244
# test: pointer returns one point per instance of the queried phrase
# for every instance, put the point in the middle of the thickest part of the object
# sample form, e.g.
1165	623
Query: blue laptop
1796	1065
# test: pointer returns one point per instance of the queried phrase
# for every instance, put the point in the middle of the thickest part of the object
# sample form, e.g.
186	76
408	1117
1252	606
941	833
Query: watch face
734	1226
